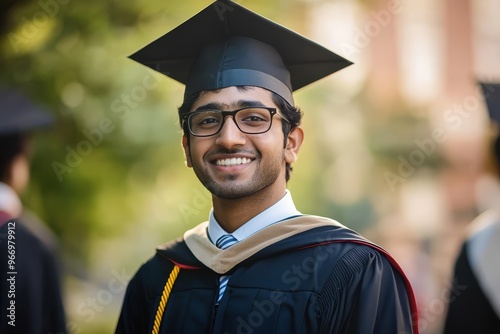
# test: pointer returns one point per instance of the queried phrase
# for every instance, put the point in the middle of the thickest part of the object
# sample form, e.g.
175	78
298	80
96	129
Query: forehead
234	97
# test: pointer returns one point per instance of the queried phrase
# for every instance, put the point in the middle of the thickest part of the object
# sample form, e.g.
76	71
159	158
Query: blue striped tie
226	241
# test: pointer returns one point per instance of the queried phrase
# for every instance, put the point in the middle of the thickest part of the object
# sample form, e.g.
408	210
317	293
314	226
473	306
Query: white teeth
232	162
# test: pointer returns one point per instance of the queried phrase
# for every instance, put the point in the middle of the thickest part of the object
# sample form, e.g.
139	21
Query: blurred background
396	145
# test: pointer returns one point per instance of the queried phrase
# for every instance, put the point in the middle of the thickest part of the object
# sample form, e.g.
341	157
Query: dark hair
10	147
292	114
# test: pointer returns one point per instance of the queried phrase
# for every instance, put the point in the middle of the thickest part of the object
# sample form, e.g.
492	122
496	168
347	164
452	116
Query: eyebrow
238	104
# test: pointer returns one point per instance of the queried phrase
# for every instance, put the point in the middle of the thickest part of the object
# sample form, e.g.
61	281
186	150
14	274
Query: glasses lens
253	120
205	123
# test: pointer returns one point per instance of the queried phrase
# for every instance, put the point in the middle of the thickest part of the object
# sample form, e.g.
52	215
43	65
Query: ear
293	143
187	153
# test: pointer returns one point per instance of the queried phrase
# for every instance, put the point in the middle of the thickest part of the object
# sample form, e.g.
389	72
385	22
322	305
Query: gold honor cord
164	299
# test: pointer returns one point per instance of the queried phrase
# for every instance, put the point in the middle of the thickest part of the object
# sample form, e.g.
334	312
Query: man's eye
254	118
205	119
208	120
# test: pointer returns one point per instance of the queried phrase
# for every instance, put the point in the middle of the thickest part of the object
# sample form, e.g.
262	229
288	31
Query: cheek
197	149
272	146
275	140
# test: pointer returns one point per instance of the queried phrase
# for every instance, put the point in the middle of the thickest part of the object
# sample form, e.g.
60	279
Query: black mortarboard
18	114
228	45
491	92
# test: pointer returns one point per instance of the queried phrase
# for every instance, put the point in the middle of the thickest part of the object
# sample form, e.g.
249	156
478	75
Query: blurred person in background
475	307
258	265
30	293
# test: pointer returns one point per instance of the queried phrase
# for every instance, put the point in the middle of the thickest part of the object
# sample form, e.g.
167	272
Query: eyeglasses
250	120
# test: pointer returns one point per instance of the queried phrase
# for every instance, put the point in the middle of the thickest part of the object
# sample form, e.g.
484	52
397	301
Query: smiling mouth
232	161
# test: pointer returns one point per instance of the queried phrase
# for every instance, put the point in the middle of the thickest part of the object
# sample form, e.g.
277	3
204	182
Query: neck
231	214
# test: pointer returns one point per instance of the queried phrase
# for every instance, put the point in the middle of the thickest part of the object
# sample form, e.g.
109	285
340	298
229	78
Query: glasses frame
272	112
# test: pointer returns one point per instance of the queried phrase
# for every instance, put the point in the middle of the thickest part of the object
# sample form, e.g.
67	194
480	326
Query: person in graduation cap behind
258	265
30	292
475	294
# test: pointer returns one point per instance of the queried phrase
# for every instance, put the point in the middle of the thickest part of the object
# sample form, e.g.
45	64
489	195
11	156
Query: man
258	265
476	308
30	296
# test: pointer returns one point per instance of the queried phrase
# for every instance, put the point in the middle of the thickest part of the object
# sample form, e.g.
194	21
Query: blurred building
420	60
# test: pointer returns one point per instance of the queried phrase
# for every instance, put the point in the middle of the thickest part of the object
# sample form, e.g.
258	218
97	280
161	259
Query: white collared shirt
282	209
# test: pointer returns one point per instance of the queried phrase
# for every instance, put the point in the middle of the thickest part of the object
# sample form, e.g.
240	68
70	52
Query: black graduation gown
327	279
32	284
469	310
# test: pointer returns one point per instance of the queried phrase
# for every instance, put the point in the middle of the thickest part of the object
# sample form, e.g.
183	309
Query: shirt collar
9	201
282	209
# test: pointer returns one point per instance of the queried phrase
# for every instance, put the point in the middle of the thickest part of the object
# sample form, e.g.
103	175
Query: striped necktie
226	241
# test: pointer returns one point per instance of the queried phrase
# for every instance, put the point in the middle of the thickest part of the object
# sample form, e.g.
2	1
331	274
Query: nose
230	136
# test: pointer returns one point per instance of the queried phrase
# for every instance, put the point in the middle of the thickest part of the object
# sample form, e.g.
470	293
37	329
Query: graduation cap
18	114
228	45
491	92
